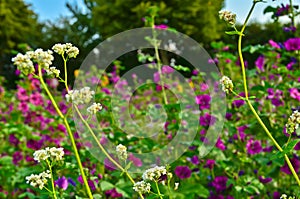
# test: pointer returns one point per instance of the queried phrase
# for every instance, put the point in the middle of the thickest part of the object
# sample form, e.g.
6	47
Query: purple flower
253	147
210	164
34	144
238	103
13	140
203	101
264	180
22	94
194	160
220	144
17	157
260	62
183	172
156	77
72	182
292	44
23	107
294	93
276	195
296	164
62	182
109	165
206	119
241	133
220	183
113	193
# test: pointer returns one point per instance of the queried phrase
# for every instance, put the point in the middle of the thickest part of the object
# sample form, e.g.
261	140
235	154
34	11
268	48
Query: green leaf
6	160
106	185
277	155
290	146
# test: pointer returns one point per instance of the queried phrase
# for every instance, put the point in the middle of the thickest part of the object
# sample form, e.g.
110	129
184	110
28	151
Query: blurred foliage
18	25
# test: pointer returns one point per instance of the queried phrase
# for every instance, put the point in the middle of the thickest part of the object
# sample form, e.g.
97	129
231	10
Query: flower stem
103	149
68	130
158	191
248	101
52	181
158	60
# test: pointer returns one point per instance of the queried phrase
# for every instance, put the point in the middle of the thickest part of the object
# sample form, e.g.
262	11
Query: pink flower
220	144
161	26
22	94
36	99
292	44
295	94
274	44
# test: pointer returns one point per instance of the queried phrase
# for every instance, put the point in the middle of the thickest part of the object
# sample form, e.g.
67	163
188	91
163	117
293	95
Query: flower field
169	130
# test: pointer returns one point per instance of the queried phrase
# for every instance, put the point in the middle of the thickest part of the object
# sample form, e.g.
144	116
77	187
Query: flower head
154	173
292	44
183	172
38	180
67	48
142	187
293	122
56	154
94	108
53	72
81	96
24	63
122	151
228	16
227	84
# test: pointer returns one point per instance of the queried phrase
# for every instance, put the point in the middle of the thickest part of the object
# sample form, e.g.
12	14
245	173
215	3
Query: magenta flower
136	161
13	140
210	164
274	44
203	101
292	44
183	172
219	183
220	144
260	62
23	107
36	99
161	26
22	94
167	70
253	147
295	94
194	160
113	193
17	157
62	182
207	119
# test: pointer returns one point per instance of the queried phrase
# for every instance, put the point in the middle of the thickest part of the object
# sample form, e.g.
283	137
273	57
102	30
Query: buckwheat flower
40	155
122	151
38	180
142	187
227	84
228	16
94	108
53	72
176	185
59	48
154	173
43	58
23	63
293	122
56	154
82	96
72	52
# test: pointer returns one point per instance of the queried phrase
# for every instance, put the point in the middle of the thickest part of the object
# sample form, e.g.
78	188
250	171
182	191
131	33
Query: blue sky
52	9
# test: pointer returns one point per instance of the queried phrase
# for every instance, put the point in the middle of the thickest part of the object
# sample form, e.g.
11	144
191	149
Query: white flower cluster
25	62
122	151
154	173
293	122
284	196
227	84
38	180
142	187
67	48
55	154
53	72
82	96
228	16
94	108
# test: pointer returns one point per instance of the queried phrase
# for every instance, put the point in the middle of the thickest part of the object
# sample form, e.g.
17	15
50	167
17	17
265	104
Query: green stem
52	181
66	73
158	191
68	130
293	14
158	60
248	101
103	149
